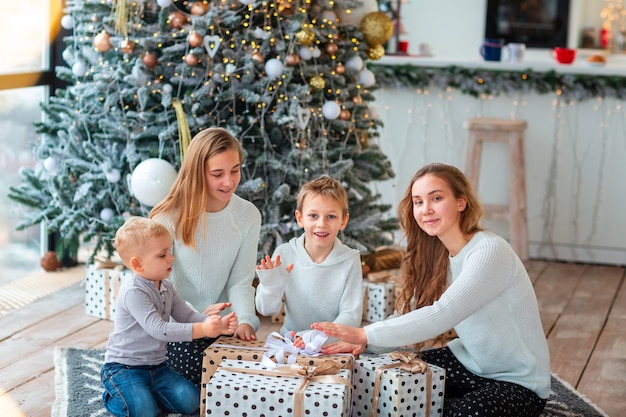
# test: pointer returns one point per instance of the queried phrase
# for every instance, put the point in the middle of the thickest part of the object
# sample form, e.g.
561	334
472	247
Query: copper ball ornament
127	46
195	39
292	60
345	114
150	60
257	56
357	100
331	48
177	19
50	262
102	42
199	8
340	69
192	60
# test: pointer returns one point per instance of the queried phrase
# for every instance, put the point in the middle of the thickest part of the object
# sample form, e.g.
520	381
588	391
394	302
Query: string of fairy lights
425	122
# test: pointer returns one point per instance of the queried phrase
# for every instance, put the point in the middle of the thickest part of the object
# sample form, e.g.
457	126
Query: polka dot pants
467	394
186	358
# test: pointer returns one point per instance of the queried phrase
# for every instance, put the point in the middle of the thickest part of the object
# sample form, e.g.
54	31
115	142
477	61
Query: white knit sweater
329	291
222	266
492	306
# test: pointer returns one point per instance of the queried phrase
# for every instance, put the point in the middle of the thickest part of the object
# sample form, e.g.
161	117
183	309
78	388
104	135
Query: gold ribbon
184	133
113	279
326	372
406	362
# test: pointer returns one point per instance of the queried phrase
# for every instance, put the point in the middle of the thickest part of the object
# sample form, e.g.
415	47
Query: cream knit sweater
222	266
492	306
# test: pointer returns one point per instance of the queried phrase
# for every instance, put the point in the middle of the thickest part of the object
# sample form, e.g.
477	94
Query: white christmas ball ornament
331	110
246	2
79	69
67	56
164	3
106	214
274	68
113	175
316	52
67	22
305	53
354	63
151	180
167	88
366	78
50	164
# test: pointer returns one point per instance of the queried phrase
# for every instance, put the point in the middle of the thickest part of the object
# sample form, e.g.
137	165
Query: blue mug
492	49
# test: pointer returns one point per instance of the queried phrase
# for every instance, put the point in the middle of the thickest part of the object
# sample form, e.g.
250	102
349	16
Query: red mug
564	55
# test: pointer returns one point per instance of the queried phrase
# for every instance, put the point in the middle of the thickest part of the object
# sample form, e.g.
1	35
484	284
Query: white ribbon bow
284	351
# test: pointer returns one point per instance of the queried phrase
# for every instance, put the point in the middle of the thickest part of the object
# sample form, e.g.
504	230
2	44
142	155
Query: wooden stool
511	132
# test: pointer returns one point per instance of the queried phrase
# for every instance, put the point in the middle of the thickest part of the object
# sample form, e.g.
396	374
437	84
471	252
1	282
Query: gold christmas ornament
199	8
317	82
150	60
292	60
176	19
195	39
127	46
340	69
331	48
192	60
102	42
375	52
377	28
305	36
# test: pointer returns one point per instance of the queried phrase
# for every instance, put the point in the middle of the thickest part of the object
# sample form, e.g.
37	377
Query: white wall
455	28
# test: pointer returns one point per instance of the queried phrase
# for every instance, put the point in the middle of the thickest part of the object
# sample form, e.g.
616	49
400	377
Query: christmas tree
286	78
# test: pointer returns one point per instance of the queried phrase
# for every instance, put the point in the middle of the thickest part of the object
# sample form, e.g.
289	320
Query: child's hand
297	342
267	263
229	323
216	308
212	326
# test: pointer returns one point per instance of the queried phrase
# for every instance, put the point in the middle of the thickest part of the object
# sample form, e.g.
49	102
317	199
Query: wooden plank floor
583	310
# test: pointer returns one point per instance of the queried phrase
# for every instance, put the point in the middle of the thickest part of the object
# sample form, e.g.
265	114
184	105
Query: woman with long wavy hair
457	275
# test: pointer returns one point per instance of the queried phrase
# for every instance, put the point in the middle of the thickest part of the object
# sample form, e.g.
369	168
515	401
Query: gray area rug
79	389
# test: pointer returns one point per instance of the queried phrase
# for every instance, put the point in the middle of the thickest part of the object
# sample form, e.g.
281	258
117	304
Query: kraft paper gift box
379	295
240	388
102	284
394	385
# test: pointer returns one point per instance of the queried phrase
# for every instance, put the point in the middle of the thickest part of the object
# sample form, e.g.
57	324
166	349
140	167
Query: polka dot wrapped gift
235	349
397	384
102	284
241	388
379	295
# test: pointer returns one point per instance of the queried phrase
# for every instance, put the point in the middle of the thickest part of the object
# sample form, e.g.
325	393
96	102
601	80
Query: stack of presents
273	377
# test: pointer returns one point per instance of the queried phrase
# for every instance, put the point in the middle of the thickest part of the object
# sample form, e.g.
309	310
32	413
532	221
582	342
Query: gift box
379	295
102	284
235	349
242	388
397	384
280	317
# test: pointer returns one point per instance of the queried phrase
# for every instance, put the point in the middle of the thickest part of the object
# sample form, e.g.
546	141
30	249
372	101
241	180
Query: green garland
479	82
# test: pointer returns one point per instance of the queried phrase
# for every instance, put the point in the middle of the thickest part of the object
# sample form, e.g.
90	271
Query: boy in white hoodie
320	277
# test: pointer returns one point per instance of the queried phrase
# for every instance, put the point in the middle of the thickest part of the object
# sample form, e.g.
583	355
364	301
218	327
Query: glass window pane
19	109
25	36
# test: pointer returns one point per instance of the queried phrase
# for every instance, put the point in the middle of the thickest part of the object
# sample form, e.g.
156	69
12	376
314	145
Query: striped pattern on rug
26	290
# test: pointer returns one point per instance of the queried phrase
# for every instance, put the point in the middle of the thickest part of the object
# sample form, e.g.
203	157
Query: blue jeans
138	391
